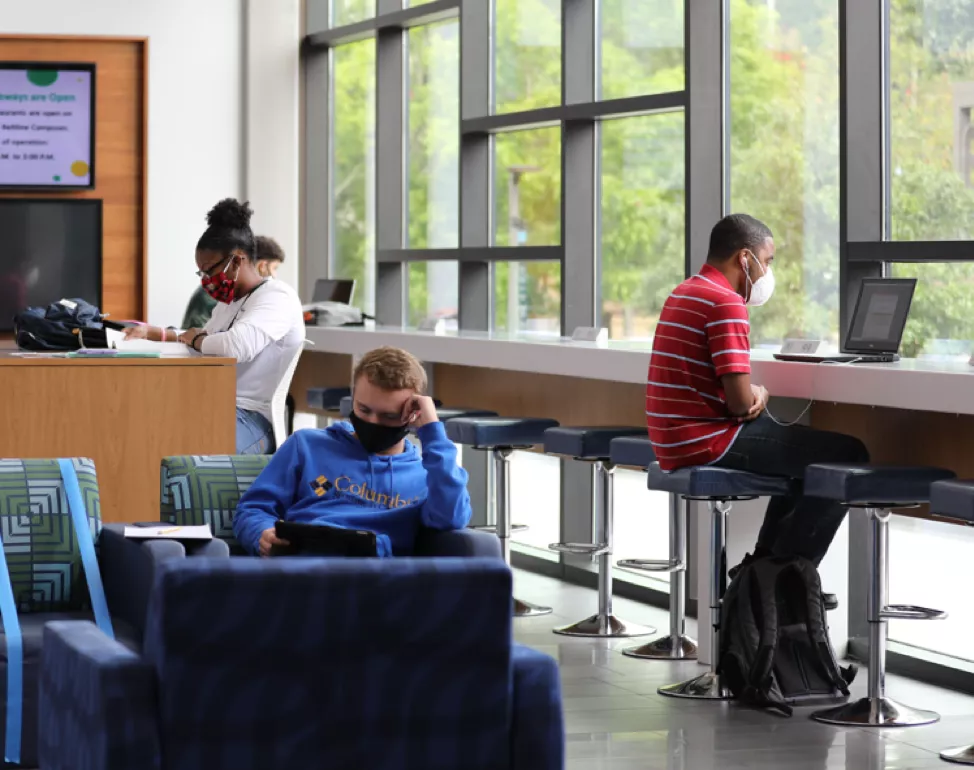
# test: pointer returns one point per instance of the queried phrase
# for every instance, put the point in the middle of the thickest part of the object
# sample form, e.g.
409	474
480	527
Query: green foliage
784	156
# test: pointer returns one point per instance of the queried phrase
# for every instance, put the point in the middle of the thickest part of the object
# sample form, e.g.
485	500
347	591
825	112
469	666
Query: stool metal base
876	712
662	649
528	610
963	755
604	627
704	687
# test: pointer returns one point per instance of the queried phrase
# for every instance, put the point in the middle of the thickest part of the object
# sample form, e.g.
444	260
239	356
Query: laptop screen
334	290
880	315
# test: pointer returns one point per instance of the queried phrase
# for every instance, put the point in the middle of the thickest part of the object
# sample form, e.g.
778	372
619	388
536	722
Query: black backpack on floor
775	649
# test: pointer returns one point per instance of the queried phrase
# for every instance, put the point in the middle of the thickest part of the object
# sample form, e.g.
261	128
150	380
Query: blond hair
390	368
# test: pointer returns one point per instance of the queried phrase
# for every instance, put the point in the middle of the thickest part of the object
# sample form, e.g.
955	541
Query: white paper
170	532
147	346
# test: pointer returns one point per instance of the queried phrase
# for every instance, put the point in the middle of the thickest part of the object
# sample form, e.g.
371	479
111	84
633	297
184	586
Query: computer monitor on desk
877	324
334	290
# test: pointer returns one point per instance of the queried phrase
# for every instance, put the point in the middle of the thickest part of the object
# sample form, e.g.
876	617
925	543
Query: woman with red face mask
257	321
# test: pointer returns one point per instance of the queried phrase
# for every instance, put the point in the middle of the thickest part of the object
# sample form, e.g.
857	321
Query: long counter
938	386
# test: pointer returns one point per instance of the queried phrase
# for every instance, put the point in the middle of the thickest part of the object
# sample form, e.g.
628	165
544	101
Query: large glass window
941	321
643	216
536	500
433	147
527	188
527	297
353	164
784	165
931	131
642	47
433	292
527	54
351	11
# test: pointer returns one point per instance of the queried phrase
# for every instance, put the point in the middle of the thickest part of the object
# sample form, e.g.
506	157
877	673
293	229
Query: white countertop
937	386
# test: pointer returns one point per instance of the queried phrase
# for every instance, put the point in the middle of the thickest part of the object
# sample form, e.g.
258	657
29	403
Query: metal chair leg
676	646
708	686
876	710
502	464
604	623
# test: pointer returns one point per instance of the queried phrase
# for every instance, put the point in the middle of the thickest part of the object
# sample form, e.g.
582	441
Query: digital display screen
46	125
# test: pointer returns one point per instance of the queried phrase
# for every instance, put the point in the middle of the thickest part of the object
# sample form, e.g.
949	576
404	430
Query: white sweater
263	331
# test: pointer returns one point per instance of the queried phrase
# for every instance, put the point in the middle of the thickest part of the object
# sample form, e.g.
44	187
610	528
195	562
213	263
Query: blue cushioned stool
593	445
500	436
954	500
719	488
327	399
877	489
637	452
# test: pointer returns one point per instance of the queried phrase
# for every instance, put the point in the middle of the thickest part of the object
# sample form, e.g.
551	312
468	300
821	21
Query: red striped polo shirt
701	336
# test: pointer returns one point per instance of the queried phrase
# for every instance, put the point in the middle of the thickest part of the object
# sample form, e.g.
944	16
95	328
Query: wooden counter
125	413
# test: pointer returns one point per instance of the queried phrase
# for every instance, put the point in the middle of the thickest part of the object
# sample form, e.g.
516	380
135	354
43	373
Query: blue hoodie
327	477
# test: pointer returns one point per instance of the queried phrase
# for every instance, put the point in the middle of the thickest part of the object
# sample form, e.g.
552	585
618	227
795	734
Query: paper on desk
116	339
170	532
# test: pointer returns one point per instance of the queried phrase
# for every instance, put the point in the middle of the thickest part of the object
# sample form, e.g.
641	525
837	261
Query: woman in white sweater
257	320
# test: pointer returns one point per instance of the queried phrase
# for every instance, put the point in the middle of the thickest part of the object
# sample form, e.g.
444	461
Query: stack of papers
170	532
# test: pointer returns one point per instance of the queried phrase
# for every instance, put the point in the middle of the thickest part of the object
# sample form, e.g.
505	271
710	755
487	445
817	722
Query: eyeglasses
208	272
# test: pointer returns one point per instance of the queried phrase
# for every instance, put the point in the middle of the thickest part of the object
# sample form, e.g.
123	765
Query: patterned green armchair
206	489
43	556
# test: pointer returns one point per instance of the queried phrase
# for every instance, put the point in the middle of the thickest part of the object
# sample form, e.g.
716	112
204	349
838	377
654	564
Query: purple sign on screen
45	128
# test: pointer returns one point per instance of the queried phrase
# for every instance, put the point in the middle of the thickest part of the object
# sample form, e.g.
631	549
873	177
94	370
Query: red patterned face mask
220	286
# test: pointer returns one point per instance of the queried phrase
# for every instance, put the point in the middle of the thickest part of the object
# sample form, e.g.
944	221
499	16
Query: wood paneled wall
120	154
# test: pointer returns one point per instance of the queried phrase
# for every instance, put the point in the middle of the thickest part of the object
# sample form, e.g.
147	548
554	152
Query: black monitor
49	250
334	290
880	315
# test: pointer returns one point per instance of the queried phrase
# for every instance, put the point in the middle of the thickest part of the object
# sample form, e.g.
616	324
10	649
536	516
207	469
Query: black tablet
323	540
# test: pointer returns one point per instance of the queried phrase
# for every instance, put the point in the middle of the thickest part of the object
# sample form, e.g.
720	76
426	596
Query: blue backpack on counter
69	324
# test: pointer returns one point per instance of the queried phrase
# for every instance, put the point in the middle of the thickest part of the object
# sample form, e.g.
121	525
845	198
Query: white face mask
762	288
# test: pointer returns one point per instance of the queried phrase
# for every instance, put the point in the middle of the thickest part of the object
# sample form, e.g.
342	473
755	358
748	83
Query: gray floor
614	719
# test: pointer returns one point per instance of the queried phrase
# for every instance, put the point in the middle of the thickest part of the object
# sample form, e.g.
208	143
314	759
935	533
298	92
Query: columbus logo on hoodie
347	488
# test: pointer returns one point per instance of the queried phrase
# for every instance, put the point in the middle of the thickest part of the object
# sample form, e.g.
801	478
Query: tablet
324	540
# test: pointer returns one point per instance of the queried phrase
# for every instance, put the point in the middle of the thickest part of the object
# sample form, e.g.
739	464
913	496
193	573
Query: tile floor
614	719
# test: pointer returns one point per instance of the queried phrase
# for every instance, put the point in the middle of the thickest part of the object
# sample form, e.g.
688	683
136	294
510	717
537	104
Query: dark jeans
796	525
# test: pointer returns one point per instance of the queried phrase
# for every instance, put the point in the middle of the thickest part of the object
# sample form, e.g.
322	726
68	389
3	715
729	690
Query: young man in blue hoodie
364	474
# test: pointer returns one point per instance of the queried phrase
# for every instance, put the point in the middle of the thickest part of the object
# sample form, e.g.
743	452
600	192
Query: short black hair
229	229
735	232
269	249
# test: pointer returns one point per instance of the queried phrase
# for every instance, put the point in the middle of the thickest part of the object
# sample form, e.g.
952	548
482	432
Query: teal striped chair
205	489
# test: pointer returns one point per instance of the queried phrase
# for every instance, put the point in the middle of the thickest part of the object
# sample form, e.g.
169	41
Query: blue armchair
307	663
44	562
205	489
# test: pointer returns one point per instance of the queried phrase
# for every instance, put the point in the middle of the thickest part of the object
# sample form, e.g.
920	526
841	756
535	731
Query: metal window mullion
861	197
706	131
318	232
474	289
390	171
580	289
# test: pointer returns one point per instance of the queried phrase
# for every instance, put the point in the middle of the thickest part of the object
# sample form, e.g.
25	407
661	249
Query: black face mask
376	438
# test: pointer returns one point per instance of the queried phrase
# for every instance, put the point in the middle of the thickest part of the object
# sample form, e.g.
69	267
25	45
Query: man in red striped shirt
703	409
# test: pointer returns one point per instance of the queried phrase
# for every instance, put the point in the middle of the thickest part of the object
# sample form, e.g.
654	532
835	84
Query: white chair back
279	399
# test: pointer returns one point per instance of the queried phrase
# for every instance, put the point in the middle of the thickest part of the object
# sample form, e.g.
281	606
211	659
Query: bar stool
501	436
592	445
637	452
719	488
327	399
954	500
877	489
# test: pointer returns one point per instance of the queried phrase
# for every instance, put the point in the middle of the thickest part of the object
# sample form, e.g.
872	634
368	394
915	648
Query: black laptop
334	290
877	324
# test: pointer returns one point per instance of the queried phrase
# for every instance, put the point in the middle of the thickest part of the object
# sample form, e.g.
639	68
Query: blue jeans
255	435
